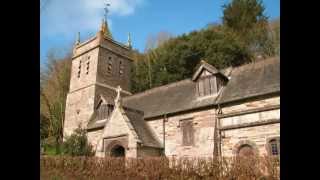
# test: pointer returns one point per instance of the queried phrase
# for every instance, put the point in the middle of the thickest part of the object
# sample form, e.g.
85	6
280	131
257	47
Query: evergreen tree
246	21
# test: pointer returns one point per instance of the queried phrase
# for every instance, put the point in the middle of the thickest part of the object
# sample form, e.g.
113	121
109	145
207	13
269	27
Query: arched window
273	146
246	150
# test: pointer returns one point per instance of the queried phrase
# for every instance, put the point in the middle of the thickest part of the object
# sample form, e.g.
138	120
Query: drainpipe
219	132
215	135
164	133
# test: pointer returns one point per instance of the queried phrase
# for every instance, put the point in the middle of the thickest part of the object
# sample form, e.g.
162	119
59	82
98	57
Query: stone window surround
268	147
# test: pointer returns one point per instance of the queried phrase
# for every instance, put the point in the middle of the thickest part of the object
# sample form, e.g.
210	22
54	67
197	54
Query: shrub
93	168
77	144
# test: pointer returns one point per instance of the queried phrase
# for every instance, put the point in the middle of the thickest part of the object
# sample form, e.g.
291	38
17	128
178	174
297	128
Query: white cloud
66	17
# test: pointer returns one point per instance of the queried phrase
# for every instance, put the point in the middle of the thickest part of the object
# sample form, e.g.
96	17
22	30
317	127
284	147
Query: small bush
93	168
77	144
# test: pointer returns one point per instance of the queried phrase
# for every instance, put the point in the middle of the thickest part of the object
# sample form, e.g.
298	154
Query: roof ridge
157	88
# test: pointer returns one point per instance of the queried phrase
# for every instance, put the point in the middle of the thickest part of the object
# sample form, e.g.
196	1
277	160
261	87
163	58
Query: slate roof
167	99
248	80
142	129
144	132
93	123
254	79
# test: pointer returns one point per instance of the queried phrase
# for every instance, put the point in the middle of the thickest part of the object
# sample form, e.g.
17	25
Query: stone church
216	112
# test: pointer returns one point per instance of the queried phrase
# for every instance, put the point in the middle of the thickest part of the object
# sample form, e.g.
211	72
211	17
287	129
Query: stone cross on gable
117	100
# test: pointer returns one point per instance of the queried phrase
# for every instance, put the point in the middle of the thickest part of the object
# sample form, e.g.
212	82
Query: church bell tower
99	65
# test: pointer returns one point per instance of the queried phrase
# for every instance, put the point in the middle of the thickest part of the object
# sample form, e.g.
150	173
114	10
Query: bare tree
157	40
54	86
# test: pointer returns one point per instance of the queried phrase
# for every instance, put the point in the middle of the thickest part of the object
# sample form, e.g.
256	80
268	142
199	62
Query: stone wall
252	122
148	152
87	71
203	123
81	97
94	137
79	108
258	135
118	63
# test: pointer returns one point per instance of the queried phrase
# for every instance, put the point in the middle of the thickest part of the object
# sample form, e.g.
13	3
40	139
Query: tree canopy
244	35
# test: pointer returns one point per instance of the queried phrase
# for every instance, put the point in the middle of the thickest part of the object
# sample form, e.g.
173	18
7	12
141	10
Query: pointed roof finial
117	100
78	38
104	26
129	43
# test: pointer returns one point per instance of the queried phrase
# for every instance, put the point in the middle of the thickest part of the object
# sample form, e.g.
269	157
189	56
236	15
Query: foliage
246	20
77	144
244	35
54	86
159	168
274	28
177	58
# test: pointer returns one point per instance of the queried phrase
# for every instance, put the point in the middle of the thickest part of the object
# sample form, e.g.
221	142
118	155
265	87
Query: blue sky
60	20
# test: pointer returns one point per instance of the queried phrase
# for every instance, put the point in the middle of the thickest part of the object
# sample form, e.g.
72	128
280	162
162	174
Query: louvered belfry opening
104	111
209	85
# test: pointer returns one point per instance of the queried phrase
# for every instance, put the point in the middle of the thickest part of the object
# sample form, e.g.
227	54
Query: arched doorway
117	151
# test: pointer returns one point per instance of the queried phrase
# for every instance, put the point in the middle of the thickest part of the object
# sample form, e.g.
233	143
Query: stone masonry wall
148	152
118	63
87	71
203	122
243	130
81	97
94	137
258	135
79	108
